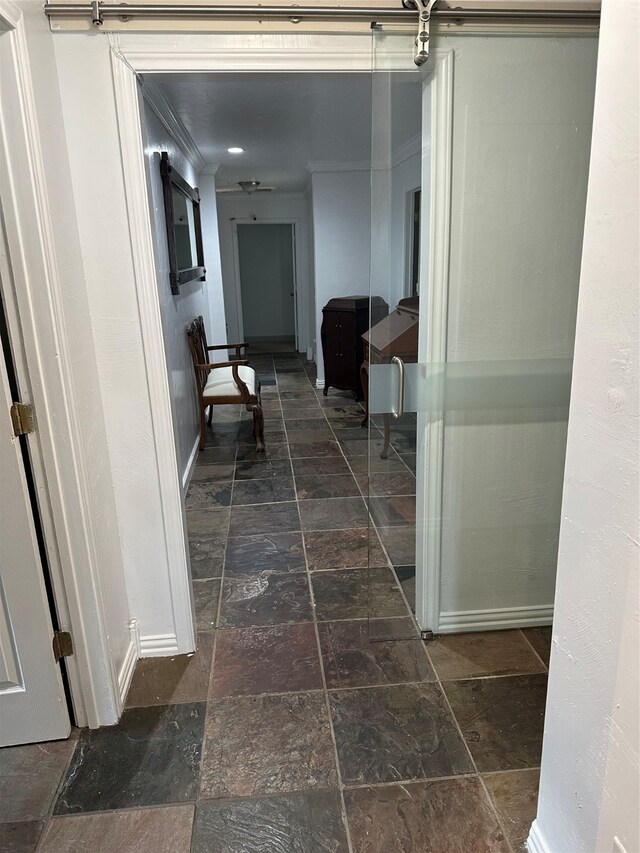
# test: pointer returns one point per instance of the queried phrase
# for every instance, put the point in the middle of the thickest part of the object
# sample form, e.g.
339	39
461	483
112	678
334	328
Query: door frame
237	281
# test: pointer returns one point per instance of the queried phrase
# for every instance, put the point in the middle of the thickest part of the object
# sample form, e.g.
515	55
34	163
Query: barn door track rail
427	10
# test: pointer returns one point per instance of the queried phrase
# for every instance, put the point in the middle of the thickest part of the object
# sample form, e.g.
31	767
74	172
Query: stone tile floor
312	717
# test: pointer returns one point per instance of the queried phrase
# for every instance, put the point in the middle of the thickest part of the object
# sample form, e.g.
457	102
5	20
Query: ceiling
283	121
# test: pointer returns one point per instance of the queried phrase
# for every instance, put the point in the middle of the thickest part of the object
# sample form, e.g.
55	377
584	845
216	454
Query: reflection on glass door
469	381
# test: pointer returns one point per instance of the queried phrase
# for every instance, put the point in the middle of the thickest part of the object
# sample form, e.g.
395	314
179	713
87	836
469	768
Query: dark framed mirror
184	232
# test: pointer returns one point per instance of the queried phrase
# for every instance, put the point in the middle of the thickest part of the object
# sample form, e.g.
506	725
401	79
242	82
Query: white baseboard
456	621
535	842
158	645
129	663
191	464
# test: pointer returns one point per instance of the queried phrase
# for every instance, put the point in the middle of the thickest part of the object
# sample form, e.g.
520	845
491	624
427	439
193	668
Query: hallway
298	725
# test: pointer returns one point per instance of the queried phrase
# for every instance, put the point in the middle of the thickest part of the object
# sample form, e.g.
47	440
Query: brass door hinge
22	418
62	645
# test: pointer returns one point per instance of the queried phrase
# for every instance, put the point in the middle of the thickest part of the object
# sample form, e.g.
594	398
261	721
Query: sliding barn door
495	131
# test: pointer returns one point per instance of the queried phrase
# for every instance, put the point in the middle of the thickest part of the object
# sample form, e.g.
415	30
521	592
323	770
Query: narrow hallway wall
177	310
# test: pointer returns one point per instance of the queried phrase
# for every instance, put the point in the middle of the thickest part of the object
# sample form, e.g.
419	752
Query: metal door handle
400	410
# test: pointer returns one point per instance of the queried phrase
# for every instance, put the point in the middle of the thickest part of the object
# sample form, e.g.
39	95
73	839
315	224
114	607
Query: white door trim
136	54
61	466
433	341
127	98
237	283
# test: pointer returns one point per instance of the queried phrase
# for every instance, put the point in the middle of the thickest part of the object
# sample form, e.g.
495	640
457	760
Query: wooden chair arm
234	365
228	346
236	347
223	364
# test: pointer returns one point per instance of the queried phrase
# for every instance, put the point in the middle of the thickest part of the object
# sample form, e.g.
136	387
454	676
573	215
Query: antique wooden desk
396	334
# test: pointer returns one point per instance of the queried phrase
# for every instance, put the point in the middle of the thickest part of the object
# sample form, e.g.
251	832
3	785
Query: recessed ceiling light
235	150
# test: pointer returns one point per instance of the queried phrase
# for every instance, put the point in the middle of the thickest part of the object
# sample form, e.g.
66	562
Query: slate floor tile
161	830
333	513
484	653
540	639
212	473
207	523
444	816
323	486
206	595
217	455
273	451
273	552
319	422
400	544
264	518
406	576
21	836
151	757
202	495
356	547
265	599
263	491
169	680
267	745
29	777
396	511
388	483
356	594
310	411
400	733
207	557
296	823
364	464
515	796
277	659
353	655
320	434
501	719
323	465
260	469
307	449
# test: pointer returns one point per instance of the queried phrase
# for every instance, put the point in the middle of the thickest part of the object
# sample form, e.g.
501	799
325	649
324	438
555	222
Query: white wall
519	177
589	785
266	207
177	311
216	320
342	240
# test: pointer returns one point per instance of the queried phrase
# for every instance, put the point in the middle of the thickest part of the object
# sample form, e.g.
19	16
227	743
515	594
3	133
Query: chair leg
203	428
258	425
210	421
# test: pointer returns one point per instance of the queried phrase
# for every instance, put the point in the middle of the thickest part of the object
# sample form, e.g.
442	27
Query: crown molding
157	100
10	16
210	169
314	166
407	150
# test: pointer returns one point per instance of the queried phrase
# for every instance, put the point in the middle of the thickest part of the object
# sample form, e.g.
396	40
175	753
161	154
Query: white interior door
32	702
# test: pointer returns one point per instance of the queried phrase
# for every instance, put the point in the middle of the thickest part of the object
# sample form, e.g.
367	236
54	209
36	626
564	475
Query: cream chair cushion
220	382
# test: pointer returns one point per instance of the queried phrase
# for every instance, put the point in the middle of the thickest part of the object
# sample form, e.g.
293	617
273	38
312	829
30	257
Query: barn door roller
425	8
